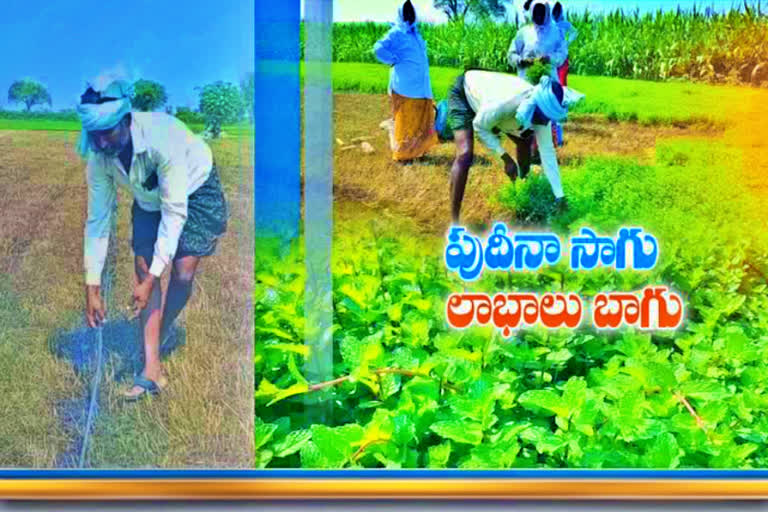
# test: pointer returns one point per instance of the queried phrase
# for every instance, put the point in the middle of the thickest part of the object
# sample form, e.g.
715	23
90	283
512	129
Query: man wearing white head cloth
179	211
491	103
539	41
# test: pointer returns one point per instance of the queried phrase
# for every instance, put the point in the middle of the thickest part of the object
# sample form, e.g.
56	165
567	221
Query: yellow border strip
356	488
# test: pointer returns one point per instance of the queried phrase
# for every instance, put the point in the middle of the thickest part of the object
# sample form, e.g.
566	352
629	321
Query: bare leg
523	154
179	291
460	171
149	321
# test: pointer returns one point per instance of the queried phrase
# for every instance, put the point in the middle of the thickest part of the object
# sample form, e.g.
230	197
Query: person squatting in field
490	103
410	90
179	211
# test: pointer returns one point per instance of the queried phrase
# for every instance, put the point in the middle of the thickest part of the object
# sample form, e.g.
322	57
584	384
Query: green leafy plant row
405	391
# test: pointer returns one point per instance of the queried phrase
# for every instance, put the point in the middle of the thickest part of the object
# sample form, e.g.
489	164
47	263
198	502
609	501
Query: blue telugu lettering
467	254
606	251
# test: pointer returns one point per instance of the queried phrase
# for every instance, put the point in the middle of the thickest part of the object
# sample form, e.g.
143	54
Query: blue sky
181	44
386	10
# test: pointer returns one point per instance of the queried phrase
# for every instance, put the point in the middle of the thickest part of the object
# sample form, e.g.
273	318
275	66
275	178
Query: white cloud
426	11
380	10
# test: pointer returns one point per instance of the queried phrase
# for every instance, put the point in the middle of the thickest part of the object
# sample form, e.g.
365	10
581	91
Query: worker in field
490	103
569	35
527	11
541	41
538	42
410	90
179	211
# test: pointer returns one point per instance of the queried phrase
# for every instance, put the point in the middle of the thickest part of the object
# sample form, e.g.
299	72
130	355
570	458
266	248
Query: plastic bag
442	127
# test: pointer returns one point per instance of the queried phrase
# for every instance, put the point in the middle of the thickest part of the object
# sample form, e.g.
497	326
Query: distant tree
29	92
247	89
457	10
220	103
148	95
188	116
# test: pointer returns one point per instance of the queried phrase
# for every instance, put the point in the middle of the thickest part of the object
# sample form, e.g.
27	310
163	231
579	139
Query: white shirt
182	160
495	98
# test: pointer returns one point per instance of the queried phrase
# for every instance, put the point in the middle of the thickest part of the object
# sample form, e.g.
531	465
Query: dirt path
420	191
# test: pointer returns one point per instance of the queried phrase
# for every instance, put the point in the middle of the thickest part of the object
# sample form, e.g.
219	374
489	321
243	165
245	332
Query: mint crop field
685	161
409	392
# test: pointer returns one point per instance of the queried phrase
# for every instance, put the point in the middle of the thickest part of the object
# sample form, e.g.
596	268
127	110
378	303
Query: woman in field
410	90
569	34
539	41
179	211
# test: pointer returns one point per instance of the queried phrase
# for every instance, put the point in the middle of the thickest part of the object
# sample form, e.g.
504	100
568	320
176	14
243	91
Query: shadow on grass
447	160
122	349
122	357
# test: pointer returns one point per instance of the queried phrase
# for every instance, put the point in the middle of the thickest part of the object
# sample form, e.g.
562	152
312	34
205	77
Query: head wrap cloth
401	24
104	116
543	97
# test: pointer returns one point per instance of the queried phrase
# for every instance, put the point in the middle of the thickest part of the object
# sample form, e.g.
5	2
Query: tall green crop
655	46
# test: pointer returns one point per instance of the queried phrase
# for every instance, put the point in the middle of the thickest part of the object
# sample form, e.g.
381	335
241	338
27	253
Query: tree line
220	102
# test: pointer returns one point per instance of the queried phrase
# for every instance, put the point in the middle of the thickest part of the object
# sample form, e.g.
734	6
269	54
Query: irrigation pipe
96	380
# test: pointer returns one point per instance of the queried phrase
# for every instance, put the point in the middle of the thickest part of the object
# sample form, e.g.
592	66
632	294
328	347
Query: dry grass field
205	418
420	190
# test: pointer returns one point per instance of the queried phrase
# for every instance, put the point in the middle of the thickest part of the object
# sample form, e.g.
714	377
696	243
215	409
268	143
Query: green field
615	98
653	46
54	125
408	392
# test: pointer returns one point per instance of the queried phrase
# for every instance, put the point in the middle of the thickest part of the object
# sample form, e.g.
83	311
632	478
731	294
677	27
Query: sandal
148	387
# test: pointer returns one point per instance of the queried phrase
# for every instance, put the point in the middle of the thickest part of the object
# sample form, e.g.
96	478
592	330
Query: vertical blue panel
318	201
277	118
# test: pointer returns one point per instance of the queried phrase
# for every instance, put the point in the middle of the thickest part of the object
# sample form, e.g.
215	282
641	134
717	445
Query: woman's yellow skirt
414	127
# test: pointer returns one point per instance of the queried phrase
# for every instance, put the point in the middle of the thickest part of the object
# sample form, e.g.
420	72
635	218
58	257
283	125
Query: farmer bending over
490	103
179	211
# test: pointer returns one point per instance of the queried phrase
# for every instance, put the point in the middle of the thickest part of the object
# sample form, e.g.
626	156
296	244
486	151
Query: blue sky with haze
181	44
385	10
